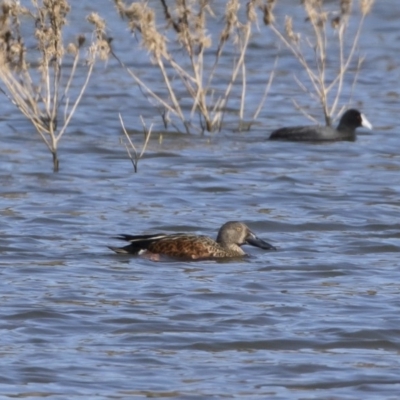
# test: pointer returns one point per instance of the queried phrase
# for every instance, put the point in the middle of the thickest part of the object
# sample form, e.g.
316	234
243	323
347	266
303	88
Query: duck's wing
191	247
138	243
140	238
173	245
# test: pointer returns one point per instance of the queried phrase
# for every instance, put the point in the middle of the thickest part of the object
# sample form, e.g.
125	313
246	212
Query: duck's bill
365	123
257	242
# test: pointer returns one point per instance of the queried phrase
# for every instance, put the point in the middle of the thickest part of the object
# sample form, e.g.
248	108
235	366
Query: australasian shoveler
230	237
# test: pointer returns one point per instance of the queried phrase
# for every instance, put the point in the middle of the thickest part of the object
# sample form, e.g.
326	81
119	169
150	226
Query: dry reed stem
40	94
365	7
187	20
266	91
221	104
137	156
322	86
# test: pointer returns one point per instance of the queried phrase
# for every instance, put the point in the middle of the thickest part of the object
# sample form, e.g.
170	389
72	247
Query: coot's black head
353	119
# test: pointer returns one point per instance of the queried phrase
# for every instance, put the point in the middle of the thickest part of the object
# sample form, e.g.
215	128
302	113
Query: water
318	319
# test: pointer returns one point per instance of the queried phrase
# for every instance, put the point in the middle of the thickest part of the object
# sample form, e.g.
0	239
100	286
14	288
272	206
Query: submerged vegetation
200	49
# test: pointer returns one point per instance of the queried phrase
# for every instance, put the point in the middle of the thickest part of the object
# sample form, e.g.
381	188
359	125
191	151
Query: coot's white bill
365	123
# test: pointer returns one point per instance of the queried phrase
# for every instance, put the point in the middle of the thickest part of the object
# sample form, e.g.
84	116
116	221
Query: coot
346	130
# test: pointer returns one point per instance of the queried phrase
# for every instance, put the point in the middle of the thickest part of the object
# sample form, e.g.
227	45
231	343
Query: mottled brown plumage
230	237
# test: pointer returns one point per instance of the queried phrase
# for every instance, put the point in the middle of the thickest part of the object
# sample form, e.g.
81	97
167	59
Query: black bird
346	130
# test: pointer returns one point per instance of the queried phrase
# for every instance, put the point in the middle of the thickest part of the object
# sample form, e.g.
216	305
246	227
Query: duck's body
230	237
346	130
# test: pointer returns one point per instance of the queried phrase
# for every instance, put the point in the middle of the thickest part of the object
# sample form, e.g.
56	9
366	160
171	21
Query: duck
231	236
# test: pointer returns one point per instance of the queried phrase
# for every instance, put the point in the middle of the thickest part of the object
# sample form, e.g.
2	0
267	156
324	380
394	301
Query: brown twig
137	156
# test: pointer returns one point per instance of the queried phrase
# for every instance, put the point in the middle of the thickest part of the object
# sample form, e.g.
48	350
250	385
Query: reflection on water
316	319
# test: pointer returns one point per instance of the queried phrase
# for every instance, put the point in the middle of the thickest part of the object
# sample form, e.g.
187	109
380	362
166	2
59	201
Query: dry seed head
50	16
201	38
61	6
103	49
141	18
120	7
81	40
345	7
154	42
315	13
151	38
72	49
183	10
134	11
200	22
312	3
16	49
323	17
231	11
224	35
13	9
268	17
311	11
101	44
149	17
289	30
9	10
231	19
24	11
97	21
183	16
41	35
267	11
206	42
365	6
6	8
251	13
335	22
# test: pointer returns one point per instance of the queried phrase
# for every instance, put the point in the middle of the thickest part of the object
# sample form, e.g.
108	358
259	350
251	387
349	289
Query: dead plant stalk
137	156
327	91
41	94
187	25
